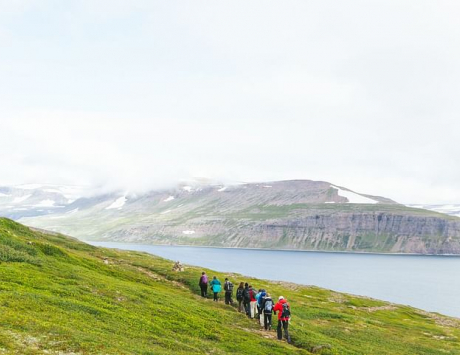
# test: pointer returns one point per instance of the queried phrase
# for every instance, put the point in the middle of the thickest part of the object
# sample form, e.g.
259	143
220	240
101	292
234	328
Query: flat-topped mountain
297	214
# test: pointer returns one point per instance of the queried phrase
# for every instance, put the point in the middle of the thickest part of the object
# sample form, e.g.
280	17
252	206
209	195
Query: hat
280	298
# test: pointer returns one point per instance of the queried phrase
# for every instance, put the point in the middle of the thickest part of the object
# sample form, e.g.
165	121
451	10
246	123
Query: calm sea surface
431	283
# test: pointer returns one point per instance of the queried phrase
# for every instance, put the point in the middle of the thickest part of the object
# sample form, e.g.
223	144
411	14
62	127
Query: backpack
203	280
229	287
246	296
239	293
260	299
268	306
286	313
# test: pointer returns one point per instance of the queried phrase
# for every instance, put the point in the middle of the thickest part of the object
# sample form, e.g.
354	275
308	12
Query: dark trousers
267	321
240	306
247	308
204	290
228	298
216	296
283	324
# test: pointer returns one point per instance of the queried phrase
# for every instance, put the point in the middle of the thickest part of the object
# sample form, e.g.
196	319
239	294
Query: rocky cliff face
306	215
364	232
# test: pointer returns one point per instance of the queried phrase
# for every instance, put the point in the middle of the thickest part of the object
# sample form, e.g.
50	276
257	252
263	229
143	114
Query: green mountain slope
61	296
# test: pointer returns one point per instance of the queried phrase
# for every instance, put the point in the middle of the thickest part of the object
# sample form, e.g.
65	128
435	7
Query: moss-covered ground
61	296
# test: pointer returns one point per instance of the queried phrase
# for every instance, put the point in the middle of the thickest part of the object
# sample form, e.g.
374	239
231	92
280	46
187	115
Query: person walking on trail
216	288
260	298
246	300
284	314
228	288
203	284
253	302
257	300
267	310
239	296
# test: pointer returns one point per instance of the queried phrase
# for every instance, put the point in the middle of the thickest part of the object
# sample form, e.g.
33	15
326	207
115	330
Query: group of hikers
255	303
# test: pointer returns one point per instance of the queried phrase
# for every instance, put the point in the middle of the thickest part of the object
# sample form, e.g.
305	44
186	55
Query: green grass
61	296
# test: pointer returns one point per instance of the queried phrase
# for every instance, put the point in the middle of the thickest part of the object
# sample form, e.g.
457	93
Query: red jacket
252	294
279	308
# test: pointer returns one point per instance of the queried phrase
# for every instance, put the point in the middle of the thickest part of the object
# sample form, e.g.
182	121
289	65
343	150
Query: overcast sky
136	94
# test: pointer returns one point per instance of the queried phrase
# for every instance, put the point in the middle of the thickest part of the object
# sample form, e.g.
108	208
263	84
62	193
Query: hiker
239	296
267	309
253	302
257	300
216	288
246	300
228	288
260	299
284	314
203	284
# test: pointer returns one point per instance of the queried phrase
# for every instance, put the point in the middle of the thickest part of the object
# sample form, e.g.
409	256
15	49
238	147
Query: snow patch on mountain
188	232
222	189
187	188
45	203
119	203
170	198
353	197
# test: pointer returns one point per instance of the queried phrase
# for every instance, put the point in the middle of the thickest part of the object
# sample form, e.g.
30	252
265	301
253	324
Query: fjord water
431	283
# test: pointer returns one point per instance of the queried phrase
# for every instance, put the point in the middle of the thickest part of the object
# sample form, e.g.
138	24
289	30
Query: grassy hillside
61	296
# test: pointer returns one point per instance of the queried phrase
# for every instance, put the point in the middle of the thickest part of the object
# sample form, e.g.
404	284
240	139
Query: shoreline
271	249
276	280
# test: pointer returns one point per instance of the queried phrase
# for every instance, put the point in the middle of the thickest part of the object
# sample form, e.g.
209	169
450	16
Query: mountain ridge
291	214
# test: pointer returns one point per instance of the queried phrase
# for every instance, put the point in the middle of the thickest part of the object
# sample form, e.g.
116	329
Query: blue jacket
215	285
261	298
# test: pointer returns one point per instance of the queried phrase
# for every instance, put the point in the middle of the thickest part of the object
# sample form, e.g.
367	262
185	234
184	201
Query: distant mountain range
296	214
451	209
36	199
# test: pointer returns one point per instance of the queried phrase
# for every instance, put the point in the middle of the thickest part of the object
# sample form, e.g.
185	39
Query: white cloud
134	95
